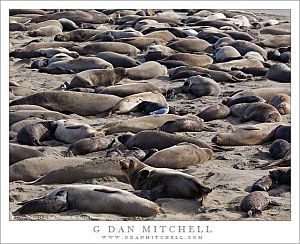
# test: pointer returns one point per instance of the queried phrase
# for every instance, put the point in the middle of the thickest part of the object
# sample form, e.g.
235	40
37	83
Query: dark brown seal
246	99
255	202
261	112
279	148
35	133
216	111
263	184
175	184
282	175
283	132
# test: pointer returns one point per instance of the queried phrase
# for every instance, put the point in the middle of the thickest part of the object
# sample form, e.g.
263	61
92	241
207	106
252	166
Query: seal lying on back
179	156
70	102
35	133
162	182
93	199
148	139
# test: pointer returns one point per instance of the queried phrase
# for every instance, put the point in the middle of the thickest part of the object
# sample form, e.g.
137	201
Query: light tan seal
146	71
162	182
190	45
216	111
179	156
93	199
73	102
142	42
192	59
79	35
98	77
282	102
276	41
45	31
45	24
18	153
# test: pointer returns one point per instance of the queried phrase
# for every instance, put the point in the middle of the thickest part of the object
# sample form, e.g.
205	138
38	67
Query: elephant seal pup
247	135
217	111
146	71
125	90
282	176
190	45
33	168
88	145
68	25
201	86
148	139
45	31
276	41
16	127
77	16
76	65
175	184
279	148
18	153
191	59
35	133
283	132
245	46
70	131
130	103
93	199
246	99
116	47
118	60
266	93
279	72
282	102
98	77
255	202
162	34
255	71
261	112
73	102
179	156
79	35
263	184
191	124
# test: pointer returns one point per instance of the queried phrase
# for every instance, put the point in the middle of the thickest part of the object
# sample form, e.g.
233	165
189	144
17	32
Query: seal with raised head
148	139
88	145
282	102
98	77
216	111
175	184
35	133
93	199
279	148
73	102
179	156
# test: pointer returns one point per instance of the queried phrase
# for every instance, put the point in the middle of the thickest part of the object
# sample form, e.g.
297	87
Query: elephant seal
45	31
88	145
247	135
246	99
283	132
261	112
116	47
34	46
16	127
68	25
190	45
14	26
148	139
265	92
118	60
226	53
70	131
31	169
241	63
35	133
238	35
217	111
282	176
142	42
245	46
47	23
93	199
162	34
77	16
146	71
76	65
179	156
282	102
158	52
50	52
73	102
130	103
201	86
125	90
276	41
175	184
18	153
188	124
279	148
263	184
282	29
192	59
279	72
152	108
255	71
98	77
255	202
79	35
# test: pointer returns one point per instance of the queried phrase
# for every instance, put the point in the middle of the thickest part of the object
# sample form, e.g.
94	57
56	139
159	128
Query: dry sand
230	174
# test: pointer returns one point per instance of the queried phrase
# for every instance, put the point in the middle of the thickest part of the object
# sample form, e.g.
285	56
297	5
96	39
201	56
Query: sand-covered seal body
255	202
279	148
147	70
18	153
217	111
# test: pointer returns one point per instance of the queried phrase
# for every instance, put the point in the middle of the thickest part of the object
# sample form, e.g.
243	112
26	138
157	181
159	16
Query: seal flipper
106	191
